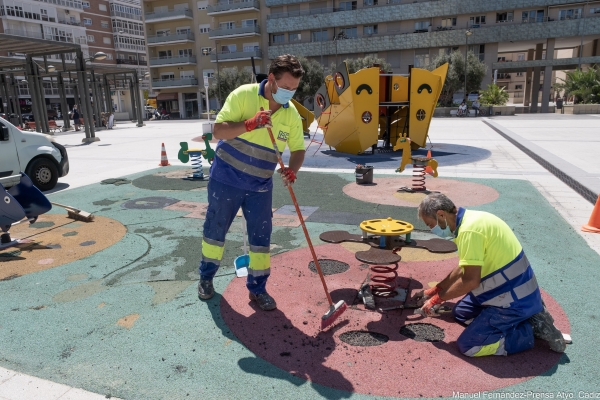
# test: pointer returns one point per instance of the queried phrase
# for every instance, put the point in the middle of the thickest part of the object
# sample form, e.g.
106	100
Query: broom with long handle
335	310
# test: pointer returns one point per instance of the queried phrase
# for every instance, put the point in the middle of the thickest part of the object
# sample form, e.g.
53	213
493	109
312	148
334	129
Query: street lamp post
337	37
216	50
467	34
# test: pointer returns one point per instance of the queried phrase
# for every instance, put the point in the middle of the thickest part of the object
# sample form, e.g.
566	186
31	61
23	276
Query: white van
36	154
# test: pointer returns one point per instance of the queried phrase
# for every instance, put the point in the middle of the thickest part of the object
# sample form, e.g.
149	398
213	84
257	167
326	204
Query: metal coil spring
385	285
196	161
418	181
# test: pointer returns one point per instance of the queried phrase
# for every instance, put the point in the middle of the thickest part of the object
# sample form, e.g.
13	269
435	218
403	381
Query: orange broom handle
312	250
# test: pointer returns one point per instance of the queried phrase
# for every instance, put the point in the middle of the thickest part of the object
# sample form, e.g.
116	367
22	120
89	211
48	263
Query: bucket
364	174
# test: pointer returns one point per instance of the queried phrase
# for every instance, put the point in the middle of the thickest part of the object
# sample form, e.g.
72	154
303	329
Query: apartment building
188	41
97	25
510	36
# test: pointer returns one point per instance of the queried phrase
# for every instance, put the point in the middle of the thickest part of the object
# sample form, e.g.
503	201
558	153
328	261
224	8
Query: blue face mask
445	233
283	96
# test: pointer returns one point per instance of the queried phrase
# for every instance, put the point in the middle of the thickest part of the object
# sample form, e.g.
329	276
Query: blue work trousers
224	201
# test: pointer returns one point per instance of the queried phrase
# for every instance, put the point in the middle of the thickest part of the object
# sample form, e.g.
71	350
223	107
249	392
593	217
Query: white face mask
445	233
282	96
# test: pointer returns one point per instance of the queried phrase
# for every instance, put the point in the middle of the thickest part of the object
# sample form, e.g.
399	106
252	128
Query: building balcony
386	11
119	14
76	4
174	83
170	15
130	47
170	39
405	40
236	56
180	60
234	32
131	62
232	6
69	22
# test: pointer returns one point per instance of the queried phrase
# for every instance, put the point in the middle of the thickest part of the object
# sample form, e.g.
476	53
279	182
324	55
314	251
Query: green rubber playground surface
125	320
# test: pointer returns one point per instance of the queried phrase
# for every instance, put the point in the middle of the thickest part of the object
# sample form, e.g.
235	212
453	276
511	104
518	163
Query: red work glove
288	175
262	119
429	309
424	295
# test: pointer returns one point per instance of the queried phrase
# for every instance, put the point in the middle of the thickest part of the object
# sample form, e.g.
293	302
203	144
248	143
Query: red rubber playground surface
290	337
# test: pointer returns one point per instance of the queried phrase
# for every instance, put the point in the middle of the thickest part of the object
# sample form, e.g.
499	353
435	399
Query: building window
104	24
595	10
504	17
448	22
229	48
109	56
205	51
478	50
369	3
519	74
421	58
102	7
204	28
85	4
209	73
476	21
164	54
279	38
347	6
227	25
248	23
185	53
348	33
202	5
87	21
532	16
183	30
106	40
369	30
574	13
250	47
295	37
518	87
421	26
520	57
318	36
91	39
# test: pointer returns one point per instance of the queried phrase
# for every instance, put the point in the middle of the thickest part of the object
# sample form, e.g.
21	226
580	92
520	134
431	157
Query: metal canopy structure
89	81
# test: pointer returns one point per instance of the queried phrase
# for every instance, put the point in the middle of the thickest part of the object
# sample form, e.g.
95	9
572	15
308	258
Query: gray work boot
264	300
205	289
543	328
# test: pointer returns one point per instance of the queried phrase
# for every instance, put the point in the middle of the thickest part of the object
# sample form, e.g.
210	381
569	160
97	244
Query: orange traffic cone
428	169
164	162
594	224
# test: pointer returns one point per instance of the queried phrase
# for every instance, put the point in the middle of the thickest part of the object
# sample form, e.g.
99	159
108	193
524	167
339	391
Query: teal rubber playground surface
122	317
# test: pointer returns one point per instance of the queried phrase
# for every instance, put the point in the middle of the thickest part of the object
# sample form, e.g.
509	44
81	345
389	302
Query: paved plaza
110	309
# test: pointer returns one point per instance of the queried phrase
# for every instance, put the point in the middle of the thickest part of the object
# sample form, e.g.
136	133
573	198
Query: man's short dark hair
286	63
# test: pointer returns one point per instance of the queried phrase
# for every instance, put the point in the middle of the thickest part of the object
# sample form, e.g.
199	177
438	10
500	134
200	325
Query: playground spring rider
196	155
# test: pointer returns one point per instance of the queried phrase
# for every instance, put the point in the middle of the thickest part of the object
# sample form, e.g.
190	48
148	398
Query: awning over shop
167	96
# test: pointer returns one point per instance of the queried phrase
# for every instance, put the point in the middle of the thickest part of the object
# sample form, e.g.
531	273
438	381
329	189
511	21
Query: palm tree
584	86
494	95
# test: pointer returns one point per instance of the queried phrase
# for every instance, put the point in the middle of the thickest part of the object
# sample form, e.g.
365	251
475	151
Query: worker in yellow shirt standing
241	174
502	304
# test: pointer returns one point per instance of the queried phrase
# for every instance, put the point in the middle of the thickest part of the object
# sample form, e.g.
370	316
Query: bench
52	126
30	126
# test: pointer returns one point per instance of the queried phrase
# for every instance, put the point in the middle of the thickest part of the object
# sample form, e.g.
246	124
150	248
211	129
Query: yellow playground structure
356	110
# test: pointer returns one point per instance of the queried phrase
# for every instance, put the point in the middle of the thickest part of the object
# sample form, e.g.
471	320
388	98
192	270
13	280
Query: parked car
53	114
42	159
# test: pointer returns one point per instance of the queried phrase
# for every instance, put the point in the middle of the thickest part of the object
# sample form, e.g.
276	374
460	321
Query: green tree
356	64
455	79
311	81
583	85
494	95
227	81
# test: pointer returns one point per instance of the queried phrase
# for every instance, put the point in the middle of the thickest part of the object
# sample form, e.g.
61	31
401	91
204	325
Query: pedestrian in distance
241	174
475	106
76	117
502	305
111	120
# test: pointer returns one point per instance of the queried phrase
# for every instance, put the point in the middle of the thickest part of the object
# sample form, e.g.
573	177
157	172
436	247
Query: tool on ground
365	293
242	262
335	310
75	213
441	310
